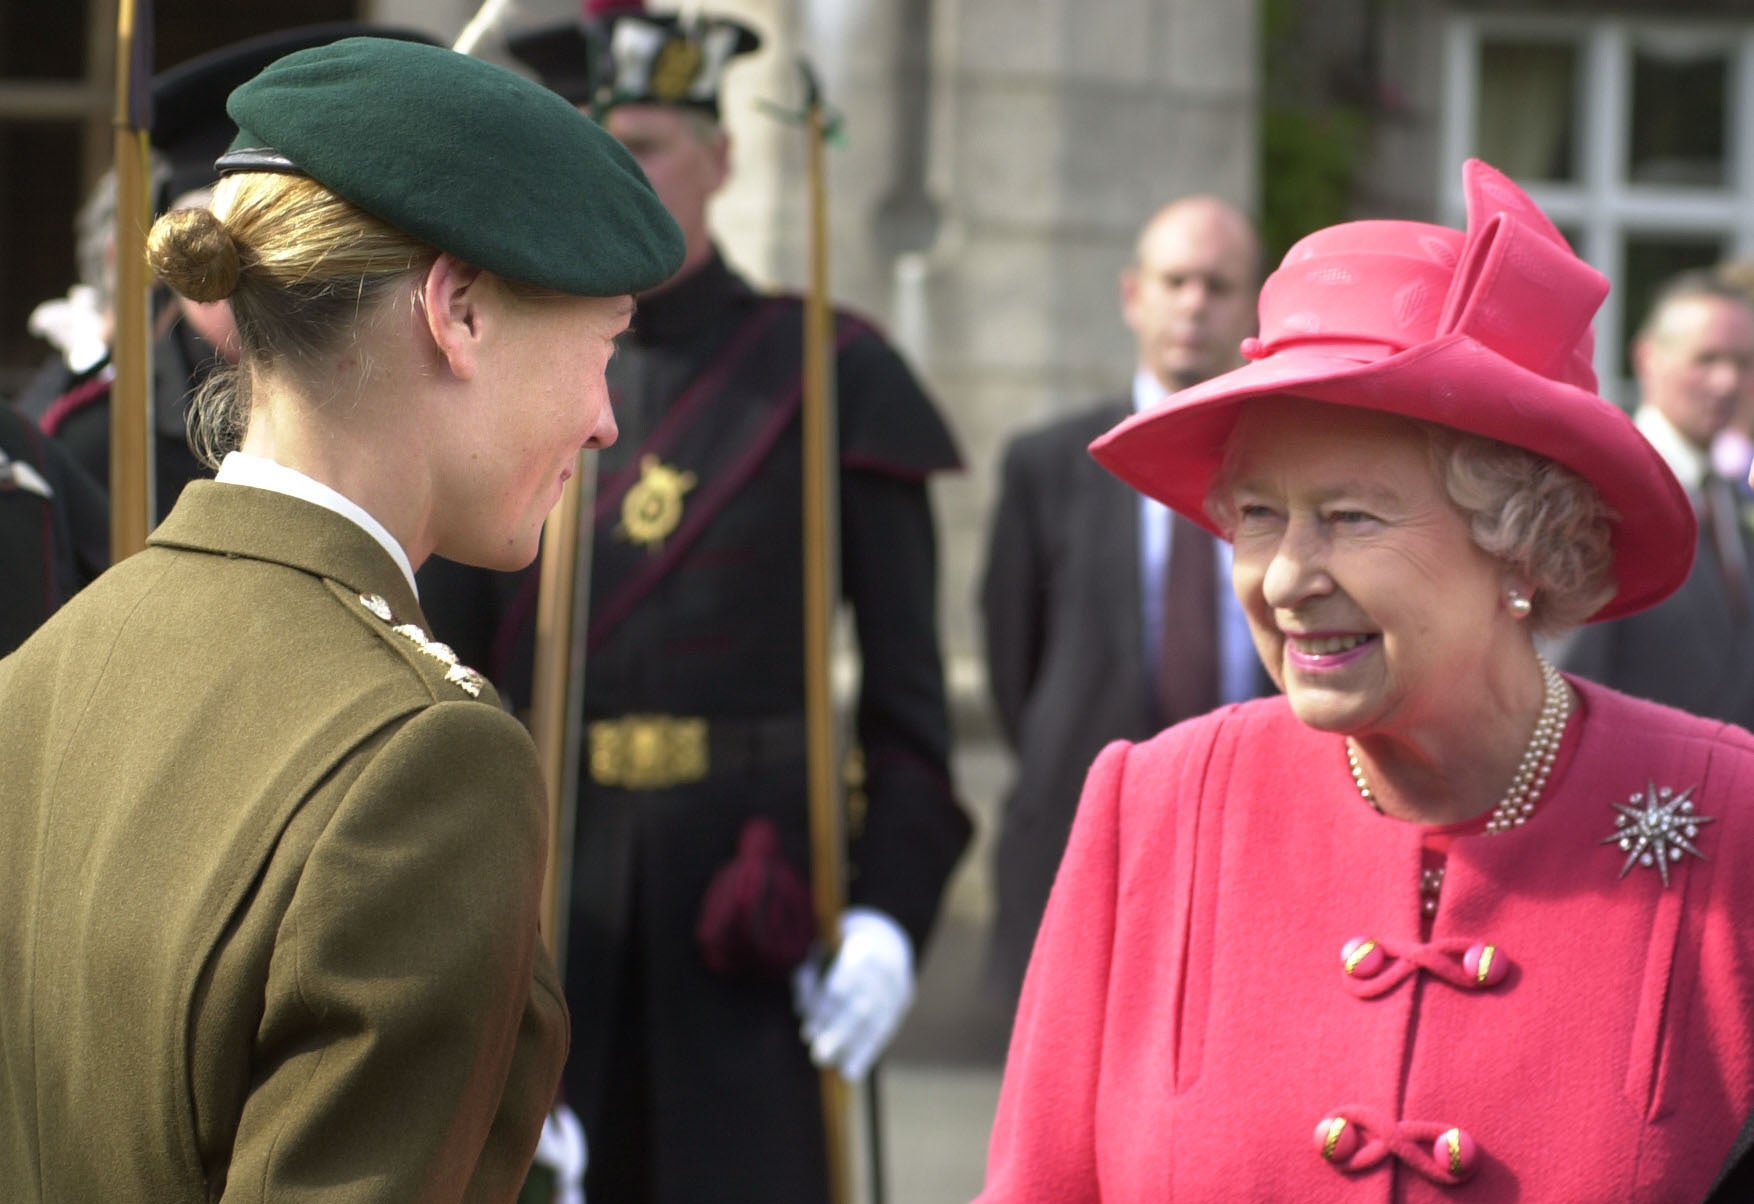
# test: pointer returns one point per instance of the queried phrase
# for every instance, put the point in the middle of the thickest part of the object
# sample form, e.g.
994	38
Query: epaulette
414	639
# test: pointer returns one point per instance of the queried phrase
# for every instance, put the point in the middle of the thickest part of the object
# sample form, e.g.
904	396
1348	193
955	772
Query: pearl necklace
1518	803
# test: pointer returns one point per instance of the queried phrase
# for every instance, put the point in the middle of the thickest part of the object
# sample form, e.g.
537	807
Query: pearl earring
1519	605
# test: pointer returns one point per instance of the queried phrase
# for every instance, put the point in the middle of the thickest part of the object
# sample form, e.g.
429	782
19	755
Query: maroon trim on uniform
705	387
906	472
72	401
718	492
520	612
723	486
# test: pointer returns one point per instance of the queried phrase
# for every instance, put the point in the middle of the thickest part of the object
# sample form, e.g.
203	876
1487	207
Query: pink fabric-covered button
1485	964
1336	1139
1362	957
1456	1153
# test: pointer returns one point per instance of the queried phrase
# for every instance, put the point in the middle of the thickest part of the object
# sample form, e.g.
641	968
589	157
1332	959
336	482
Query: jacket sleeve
1013	594
913	830
412	1035
1044	1136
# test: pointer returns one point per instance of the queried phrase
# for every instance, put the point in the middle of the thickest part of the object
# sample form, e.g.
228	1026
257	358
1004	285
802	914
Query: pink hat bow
1510	283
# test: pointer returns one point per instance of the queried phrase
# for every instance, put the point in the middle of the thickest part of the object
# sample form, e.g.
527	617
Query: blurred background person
695	1059
1732	452
1107	617
1693	359
190	129
1440	908
79	324
54	528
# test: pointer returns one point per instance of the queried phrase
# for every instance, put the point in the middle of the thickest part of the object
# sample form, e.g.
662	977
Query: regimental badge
1657	827
674	72
652	509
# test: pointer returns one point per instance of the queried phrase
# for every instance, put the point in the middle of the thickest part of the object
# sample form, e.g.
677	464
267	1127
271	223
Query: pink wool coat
1188	1019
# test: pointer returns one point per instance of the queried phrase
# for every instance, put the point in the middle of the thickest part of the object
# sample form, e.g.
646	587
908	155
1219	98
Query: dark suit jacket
1065	653
1686	651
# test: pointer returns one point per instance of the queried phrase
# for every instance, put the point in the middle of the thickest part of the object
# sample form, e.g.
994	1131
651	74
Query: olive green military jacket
269	882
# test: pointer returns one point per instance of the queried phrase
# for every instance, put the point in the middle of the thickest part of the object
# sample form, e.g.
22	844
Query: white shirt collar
1688	463
240	468
1147	391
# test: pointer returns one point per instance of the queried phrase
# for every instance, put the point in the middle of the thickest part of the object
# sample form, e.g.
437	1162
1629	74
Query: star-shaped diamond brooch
1656	828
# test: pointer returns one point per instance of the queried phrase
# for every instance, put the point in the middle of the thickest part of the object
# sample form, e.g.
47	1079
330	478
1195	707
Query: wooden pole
131	490
821	592
558	686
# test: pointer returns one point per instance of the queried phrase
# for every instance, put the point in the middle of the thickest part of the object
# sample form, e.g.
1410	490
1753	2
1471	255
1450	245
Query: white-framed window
1636	135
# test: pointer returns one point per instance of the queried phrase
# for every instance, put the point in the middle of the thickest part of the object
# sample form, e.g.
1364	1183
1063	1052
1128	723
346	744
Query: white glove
851	1014
562	1152
76	324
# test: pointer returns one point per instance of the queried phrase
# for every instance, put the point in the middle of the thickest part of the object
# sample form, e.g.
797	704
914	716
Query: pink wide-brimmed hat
1487	331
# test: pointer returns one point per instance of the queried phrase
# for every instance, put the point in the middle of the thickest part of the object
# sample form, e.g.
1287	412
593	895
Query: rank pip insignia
461	676
652	509
1657	828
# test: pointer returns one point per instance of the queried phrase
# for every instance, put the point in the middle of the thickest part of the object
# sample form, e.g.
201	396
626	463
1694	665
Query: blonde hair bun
192	251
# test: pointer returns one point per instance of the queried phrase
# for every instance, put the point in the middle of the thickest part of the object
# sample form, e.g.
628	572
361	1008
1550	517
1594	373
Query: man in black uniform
54	528
694	1083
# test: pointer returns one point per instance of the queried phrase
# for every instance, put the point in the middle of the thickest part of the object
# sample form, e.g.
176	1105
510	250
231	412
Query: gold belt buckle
648	752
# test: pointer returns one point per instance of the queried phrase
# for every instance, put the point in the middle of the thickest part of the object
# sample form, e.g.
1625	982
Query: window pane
187	28
1650	260
1527	123
42	39
1679	106
39	170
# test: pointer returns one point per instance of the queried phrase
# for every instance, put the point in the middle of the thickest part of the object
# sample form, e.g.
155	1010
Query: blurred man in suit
1084	578
1694	362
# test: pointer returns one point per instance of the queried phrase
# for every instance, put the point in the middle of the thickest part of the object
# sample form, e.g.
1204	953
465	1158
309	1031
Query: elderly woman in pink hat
1437	922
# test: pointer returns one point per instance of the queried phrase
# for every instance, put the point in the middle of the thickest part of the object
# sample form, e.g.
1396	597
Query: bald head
1189	295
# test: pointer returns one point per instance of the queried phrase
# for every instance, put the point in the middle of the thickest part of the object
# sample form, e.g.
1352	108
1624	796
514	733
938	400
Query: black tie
1721	517
1187	661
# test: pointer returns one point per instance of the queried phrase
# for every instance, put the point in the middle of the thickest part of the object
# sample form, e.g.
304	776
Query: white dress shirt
1687	462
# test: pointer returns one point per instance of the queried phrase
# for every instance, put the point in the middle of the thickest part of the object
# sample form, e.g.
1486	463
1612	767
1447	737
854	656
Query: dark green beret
465	155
